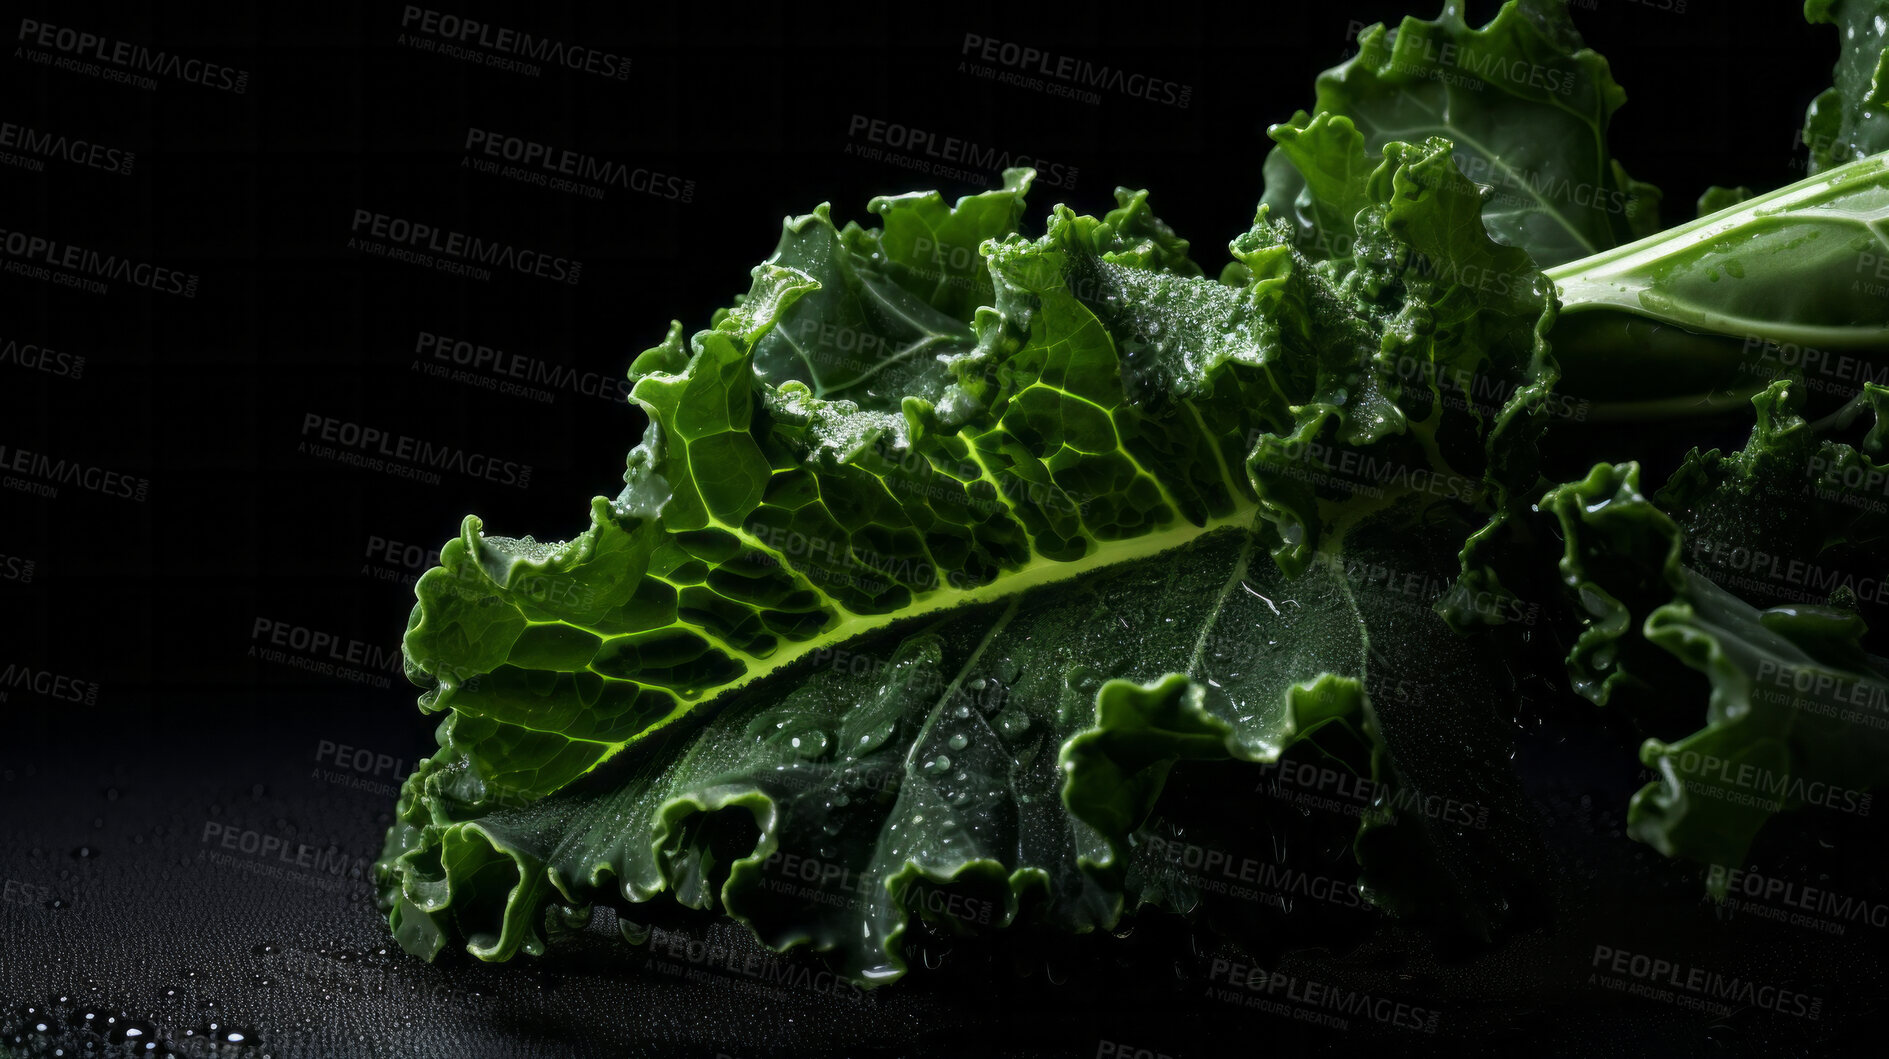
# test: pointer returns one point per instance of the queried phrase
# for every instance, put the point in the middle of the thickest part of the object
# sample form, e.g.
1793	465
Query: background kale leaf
1526	107
1847	121
1795	520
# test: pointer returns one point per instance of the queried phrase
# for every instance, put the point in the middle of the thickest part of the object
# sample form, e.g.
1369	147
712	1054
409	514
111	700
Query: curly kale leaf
1798	710
947	645
1526	106
1850	119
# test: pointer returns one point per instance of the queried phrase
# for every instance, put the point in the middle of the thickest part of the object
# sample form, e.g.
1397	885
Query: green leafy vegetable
1799	253
966	580
1797	707
1703	308
1849	120
1717	197
1527	108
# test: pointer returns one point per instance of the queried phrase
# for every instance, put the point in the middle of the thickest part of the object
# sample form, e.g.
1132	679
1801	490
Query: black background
154	605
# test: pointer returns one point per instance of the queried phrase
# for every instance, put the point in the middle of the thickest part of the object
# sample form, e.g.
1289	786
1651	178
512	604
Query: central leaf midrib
1038	573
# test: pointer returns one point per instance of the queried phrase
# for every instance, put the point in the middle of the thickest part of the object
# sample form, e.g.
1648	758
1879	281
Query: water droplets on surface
1012	722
